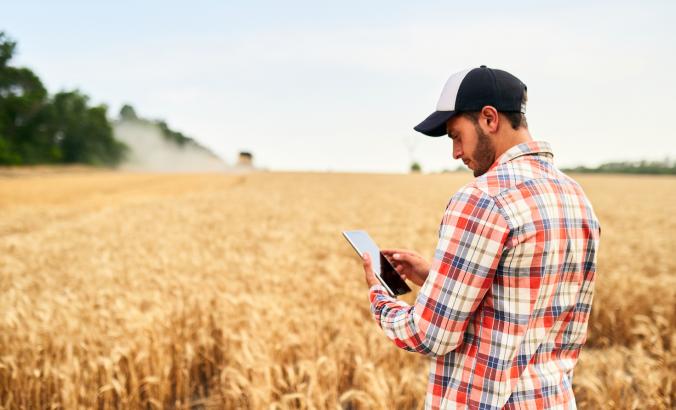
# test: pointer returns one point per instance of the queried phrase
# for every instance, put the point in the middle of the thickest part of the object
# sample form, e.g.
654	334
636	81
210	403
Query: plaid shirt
503	313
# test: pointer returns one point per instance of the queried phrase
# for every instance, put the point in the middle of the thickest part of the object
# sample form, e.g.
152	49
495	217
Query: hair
516	119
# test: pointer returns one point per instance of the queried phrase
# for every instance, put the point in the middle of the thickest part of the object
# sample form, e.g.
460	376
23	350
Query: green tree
36	129
7	47
665	167
173	136
83	133
23	137
127	113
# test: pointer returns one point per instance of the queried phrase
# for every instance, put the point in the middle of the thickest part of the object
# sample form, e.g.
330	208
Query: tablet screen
362	243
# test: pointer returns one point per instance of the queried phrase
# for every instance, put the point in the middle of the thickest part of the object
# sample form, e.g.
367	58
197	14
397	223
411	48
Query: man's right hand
410	265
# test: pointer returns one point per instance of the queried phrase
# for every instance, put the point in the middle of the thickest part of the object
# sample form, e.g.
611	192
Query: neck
510	138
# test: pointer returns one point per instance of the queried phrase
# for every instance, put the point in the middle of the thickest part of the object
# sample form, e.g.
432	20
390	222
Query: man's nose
457	151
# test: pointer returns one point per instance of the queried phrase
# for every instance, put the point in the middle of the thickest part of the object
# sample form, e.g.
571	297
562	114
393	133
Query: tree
36	129
127	112
83	133
7	47
22	112
665	167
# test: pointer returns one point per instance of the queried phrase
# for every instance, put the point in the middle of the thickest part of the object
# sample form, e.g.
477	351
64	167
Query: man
503	307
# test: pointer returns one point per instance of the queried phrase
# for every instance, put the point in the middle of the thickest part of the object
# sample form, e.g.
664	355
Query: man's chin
479	172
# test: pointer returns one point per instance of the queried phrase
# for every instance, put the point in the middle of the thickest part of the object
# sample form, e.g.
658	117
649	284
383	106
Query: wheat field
237	291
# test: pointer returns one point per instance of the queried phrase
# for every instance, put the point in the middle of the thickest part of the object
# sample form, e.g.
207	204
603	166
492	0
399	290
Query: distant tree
36	129
415	167
666	167
127	112
84	134
7	47
173	136
23	137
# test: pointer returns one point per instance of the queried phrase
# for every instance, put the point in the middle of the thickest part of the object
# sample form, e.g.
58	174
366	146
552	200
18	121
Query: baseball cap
471	90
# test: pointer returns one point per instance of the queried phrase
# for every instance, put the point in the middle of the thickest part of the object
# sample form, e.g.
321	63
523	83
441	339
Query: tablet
385	272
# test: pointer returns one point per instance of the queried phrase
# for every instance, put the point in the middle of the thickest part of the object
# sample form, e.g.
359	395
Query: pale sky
339	86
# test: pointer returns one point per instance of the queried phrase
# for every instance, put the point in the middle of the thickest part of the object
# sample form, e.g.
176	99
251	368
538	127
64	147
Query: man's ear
490	118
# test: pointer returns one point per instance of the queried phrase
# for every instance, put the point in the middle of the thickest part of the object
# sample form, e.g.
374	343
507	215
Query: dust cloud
150	151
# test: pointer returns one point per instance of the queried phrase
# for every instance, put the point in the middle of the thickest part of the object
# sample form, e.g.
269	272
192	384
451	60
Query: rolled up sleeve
471	241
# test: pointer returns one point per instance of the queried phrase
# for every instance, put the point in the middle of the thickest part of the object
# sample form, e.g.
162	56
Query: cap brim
435	124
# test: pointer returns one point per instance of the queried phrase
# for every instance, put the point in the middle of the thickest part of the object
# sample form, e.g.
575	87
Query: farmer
504	304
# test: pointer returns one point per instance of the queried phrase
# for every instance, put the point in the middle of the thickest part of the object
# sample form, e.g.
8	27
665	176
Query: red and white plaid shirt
503	313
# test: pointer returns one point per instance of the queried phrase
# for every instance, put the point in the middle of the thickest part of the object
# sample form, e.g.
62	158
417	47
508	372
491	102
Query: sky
339	86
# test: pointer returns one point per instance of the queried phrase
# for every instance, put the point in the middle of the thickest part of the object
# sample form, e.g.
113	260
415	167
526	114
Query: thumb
366	260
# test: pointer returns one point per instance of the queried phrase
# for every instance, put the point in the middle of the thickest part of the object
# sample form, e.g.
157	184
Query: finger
398	268
400	265
402	257
391	251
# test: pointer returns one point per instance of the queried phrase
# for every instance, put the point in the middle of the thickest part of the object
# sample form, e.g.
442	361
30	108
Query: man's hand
368	271
410	265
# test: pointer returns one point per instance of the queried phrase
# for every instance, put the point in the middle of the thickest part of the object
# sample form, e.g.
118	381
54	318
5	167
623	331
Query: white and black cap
471	90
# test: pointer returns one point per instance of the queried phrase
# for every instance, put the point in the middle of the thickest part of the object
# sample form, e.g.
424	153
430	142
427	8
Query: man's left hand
368	271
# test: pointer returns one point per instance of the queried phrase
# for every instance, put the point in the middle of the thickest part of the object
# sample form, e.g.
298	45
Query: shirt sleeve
471	241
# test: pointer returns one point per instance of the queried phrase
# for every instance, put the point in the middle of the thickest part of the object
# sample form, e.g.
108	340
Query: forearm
397	320
467	255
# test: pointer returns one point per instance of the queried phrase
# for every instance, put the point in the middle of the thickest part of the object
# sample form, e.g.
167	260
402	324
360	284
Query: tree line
64	128
127	113
665	167
36	128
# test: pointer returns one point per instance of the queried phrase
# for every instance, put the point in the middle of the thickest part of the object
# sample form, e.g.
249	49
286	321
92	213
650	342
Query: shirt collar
526	148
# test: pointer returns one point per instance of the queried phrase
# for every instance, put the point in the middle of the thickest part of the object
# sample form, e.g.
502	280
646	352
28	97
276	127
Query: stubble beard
484	154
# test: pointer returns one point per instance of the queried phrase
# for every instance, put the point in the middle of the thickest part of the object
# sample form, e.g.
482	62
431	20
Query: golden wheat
237	291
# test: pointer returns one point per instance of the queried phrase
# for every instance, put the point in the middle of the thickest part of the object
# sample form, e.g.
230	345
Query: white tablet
385	272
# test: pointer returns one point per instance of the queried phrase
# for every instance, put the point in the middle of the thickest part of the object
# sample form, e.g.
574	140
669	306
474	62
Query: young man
503	306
